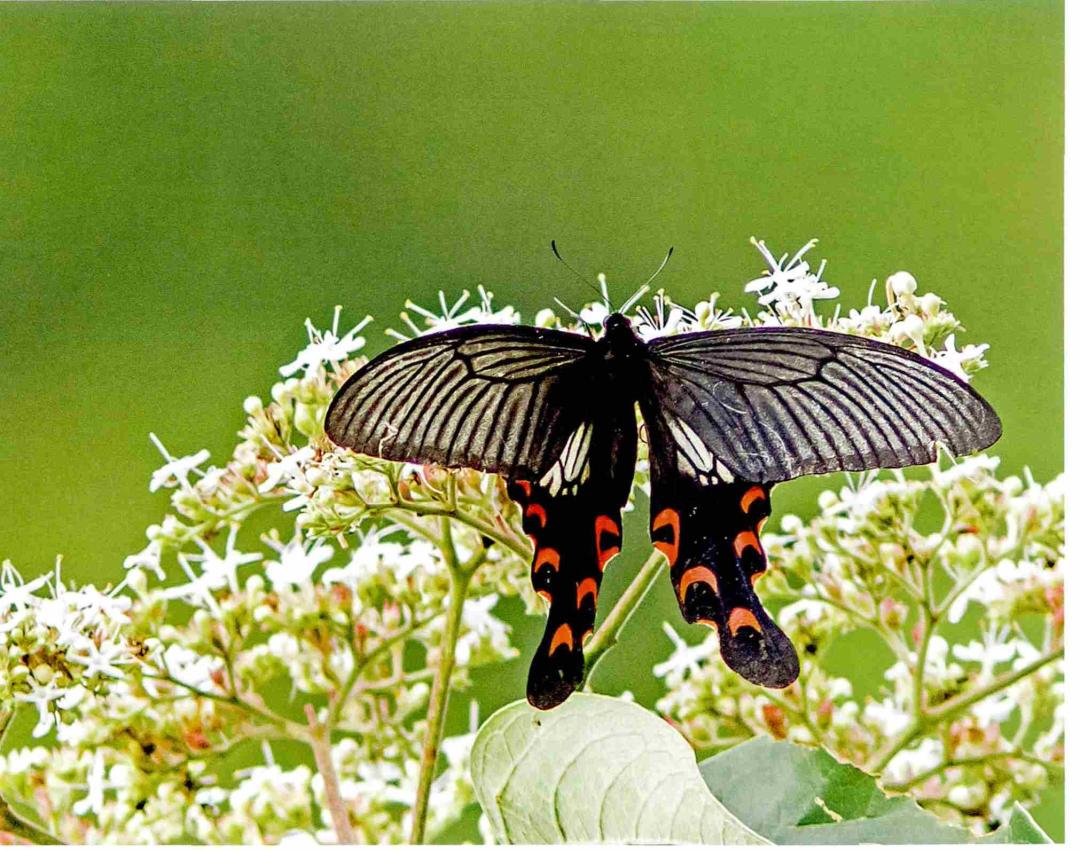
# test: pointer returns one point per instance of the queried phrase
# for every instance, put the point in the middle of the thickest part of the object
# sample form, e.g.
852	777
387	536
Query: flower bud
902	283
252	405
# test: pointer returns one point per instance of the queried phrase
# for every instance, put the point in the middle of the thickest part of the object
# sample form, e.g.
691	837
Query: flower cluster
299	594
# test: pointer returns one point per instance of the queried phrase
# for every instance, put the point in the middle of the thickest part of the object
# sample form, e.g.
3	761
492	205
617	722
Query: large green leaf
595	769
797	795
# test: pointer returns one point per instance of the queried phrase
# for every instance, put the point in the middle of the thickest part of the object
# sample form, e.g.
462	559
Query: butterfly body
727	414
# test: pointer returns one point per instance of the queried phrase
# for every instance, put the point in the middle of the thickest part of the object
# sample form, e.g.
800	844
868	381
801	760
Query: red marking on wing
742	617
744	540
605	524
750	497
546	555
584	588
668	517
562	636
697	574
525	486
537	510
545	594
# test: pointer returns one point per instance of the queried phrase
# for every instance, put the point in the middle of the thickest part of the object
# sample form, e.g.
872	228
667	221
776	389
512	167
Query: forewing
498	398
770	404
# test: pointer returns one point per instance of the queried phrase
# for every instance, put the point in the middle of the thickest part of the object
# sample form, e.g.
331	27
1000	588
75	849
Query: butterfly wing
770	404
575	531
710	533
503	399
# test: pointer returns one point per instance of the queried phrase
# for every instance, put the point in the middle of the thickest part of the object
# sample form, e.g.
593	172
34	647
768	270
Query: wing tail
711	540
574	536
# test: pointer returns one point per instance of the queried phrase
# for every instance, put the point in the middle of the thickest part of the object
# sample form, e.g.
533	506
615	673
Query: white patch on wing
694	459
572	466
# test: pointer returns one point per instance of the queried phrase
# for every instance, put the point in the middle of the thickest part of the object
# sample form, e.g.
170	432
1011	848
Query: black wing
504	399
770	404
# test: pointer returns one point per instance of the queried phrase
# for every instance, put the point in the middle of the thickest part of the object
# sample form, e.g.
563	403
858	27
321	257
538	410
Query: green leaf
595	769
798	795
1022	829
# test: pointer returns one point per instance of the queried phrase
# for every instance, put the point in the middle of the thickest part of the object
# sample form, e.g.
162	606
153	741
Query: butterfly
727	415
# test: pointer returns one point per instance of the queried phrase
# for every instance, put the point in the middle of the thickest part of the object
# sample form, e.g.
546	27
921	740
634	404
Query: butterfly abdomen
711	538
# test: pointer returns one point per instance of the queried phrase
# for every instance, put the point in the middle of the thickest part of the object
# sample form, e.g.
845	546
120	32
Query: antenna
660	268
577	274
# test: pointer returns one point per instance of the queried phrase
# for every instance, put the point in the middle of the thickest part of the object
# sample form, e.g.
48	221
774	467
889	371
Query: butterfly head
616	323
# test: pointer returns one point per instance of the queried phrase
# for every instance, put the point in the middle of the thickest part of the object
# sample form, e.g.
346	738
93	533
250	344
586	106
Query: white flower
886	716
42	697
148	558
651	325
325	347
955	360
16	595
188	667
901	283
105	659
479	623
287	468
993	650
685	660
994	709
175	471
94	802
788	287
484	313
296	564
909	763
219	571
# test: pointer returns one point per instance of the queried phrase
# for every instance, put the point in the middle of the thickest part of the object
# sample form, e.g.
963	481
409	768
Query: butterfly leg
711	538
572	544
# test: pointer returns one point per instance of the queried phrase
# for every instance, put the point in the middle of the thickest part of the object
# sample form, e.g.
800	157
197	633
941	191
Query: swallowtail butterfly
727	415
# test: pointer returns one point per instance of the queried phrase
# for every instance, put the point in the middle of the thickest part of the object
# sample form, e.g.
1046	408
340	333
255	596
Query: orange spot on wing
744	540
742	617
750	497
697	574
562	636
525	486
545	594
584	588
668	517
604	525
546	555
754	577
537	510
707	622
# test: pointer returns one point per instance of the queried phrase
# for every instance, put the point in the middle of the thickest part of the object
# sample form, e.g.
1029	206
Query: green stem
320	748
9	821
969	761
607	635
954	706
18	826
440	687
515	545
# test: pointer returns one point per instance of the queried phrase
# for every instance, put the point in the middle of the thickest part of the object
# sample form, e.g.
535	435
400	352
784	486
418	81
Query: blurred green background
180	186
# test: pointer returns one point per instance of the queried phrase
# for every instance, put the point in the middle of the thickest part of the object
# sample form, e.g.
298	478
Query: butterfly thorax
620	342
